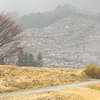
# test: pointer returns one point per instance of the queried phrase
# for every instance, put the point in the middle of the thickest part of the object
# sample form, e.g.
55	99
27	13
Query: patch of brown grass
14	78
95	86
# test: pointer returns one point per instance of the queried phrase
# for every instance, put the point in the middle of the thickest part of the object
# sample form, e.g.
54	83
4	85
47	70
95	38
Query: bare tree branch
9	36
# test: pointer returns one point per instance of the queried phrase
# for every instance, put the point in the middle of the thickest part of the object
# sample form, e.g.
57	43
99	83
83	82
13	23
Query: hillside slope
73	42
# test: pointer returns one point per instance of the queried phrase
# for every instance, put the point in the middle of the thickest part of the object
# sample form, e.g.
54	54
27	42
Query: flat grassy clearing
13	78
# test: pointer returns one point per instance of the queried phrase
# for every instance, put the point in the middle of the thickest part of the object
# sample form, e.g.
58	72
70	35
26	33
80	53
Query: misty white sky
28	6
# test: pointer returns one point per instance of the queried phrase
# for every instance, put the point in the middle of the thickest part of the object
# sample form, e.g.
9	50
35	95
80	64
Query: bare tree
9	36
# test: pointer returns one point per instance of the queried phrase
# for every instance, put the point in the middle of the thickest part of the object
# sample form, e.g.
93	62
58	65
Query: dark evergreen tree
39	61
2	62
25	59
31	61
20	61
28	60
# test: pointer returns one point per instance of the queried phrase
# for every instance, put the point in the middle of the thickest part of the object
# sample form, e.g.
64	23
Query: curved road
52	88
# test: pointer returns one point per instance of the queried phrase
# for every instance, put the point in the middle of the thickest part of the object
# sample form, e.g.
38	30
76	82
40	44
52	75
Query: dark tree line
25	59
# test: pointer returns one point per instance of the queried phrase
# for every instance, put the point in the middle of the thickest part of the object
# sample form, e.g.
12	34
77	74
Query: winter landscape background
66	37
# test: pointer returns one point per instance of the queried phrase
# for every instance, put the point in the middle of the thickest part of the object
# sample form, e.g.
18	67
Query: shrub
92	71
97	72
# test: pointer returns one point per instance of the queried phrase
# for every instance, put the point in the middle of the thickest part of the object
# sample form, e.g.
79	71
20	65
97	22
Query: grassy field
90	92
14	78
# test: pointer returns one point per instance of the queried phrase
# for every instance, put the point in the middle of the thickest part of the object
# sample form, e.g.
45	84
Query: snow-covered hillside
71	42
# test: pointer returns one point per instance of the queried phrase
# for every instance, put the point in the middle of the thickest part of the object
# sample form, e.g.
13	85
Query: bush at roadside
92	71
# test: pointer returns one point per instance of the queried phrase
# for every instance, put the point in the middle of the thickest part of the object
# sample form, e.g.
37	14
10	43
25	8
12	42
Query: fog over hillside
40	20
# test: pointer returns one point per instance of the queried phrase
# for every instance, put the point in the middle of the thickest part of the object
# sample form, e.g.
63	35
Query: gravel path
52	88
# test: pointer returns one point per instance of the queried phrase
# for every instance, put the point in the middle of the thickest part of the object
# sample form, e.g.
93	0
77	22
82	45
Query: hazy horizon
26	6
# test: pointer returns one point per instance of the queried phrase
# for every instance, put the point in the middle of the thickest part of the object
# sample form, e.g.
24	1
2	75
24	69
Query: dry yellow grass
95	86
14	78
79	93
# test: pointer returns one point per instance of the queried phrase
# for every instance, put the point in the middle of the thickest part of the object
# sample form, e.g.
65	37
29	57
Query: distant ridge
44	19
